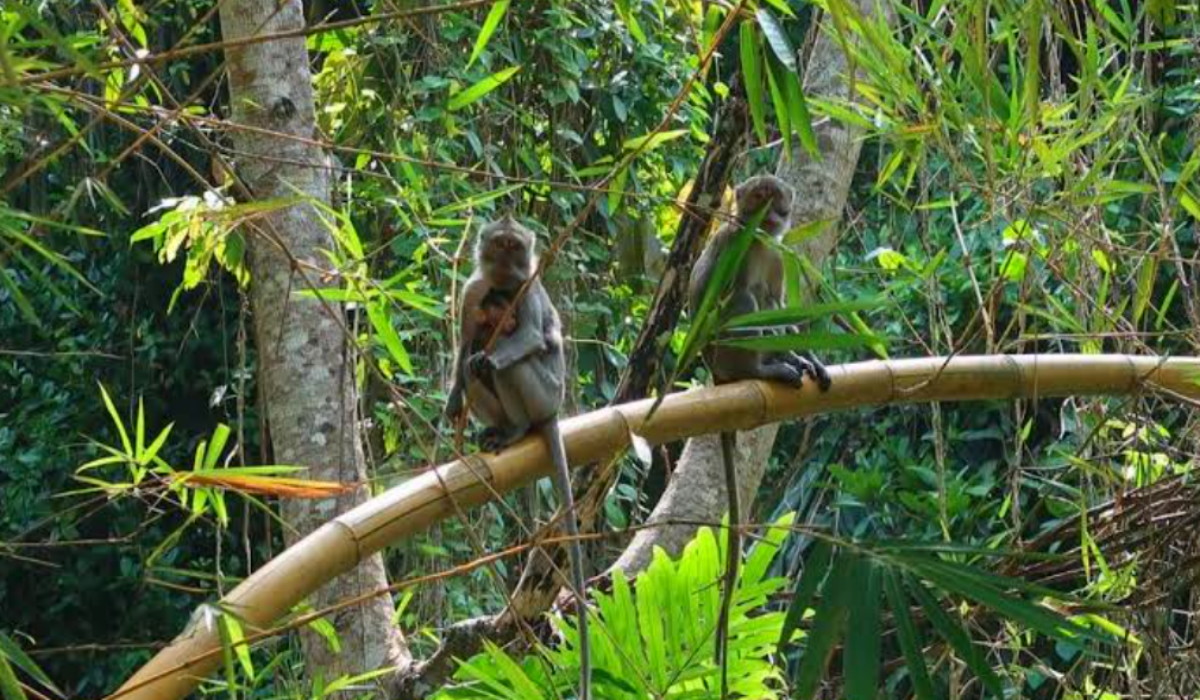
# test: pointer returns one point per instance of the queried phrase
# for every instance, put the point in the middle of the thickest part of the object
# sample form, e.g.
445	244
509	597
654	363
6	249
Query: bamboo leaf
777	38
828	624
910	639
752	77
815	570
116	418
779	100
10	687
953	633
651	141
798	115
795	314
383	328
12	652
489	27
473	93
863	638
802	341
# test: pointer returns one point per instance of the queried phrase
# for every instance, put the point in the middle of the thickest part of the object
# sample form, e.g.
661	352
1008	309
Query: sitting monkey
758	286
517	386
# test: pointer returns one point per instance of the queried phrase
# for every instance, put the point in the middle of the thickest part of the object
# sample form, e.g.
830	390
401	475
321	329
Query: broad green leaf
777	38
978	586
616	190
953	633
116	418
782	6
752	77
863	634
216	445
12	652
779	101
1145	286
828	623
815	570
489	27
235	639
383	328
481	88
802	341
651	141
795	314
798	115
910	639
10	687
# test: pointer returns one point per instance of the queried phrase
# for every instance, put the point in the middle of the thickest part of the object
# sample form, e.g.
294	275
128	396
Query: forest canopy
241	246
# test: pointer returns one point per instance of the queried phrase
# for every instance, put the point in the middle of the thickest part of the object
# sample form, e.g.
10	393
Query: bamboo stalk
413	506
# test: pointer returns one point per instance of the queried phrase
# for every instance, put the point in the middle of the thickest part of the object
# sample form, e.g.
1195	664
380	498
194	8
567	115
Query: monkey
492	318
757	286
527	368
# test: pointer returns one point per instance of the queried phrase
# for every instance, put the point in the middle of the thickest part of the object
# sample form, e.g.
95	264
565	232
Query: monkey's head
504	253
769	191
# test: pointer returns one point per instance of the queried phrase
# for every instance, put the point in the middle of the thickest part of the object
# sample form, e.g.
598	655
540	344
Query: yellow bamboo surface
416	504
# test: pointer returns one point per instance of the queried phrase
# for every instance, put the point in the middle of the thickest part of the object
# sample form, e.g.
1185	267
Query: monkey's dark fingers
480	363
817	371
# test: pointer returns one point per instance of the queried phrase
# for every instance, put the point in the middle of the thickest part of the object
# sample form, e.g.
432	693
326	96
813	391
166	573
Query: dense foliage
1027	184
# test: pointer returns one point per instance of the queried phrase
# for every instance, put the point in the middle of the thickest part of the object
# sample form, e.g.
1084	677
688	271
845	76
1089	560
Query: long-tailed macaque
758	286
527	370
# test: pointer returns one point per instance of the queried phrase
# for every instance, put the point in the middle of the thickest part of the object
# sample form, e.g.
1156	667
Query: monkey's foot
810	367
496	439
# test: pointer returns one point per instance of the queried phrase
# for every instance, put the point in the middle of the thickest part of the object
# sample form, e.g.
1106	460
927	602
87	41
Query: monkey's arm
473	292
529	336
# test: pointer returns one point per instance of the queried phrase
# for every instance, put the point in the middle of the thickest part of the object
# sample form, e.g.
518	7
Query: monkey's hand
812	368
480	364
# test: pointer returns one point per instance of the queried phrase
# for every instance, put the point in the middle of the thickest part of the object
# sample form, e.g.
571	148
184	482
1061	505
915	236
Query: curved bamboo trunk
413	506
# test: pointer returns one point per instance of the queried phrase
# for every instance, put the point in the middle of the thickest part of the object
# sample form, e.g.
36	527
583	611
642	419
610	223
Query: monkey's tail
733	556
562	478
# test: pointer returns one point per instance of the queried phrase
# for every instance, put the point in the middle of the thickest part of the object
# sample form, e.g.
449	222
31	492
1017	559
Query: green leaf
798	115
795	314
475	92
651	141
235	639
10	651
815	570
616	190
782	6
489	27
910	639
116	418
752	77
777	38
827	627
802	341
863	637
779	101
10	688
383	328
953	633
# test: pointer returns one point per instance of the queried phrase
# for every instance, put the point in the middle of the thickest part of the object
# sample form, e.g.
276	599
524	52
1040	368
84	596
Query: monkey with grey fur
757	286
517	386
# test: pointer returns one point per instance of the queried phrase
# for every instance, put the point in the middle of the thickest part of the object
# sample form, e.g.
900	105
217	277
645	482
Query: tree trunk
697	489
304	358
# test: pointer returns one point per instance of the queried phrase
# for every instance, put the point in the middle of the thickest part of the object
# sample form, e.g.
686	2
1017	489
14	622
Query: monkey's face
506	259
778	203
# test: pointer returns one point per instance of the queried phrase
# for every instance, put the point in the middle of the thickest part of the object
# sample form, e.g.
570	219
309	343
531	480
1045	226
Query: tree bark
305	360
697	489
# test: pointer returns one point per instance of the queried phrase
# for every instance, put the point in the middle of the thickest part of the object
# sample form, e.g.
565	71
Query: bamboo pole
411	507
